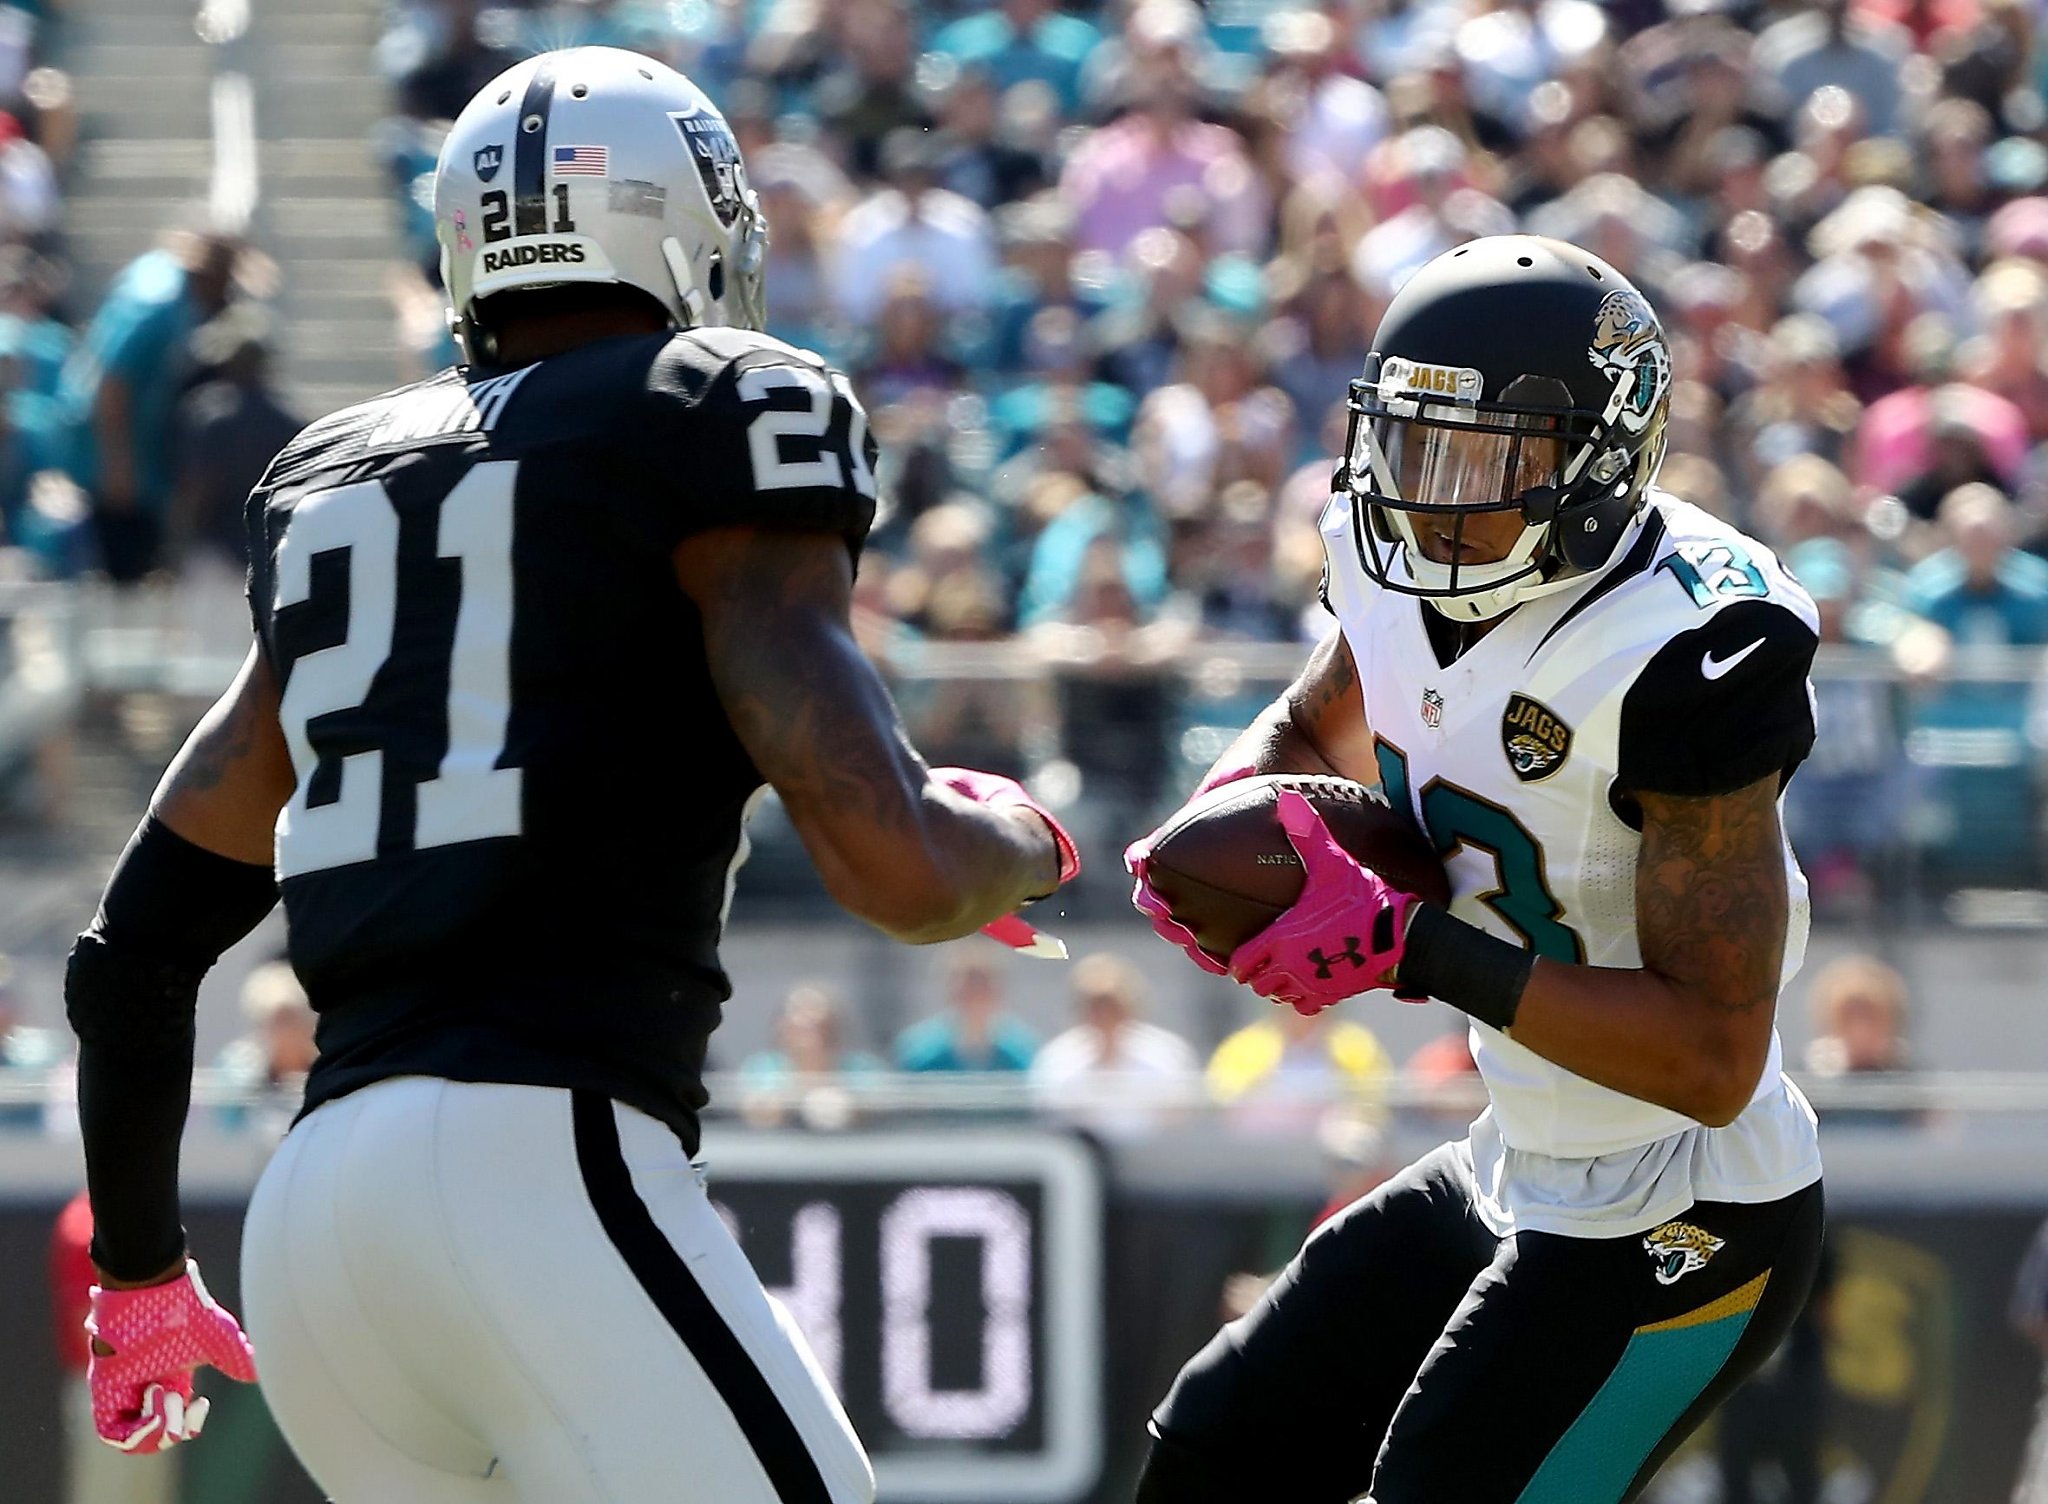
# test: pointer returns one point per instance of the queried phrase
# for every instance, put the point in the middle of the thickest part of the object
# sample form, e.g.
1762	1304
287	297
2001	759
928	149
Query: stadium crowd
1101	276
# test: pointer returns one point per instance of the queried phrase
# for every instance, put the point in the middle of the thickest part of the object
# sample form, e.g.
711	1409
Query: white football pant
481	1294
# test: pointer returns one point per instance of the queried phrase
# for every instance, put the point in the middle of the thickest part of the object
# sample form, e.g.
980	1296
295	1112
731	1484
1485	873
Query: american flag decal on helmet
582	161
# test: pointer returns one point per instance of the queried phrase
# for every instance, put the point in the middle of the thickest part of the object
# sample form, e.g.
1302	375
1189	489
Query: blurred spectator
2030	1318
1507	50
1333	118
1957	183
228	430
1429	210
912	222
1801	407
1023	41
1858	1006
1280	1074
907	362
868	92
30	285
1924	442
973	1032
975	160
28	184
1219	422
1127	176
94	1473
121	388
438	58
1037	278
1981	589
801	194
2007	357
264	1070
1109	660
25	1054
1832	44
811	1075
1842	813
1113	1073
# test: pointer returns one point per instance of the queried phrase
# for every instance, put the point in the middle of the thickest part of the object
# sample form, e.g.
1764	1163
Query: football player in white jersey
1590	695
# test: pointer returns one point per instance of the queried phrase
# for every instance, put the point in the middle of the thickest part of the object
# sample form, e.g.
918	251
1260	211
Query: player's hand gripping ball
154	1337
1344	935
1226	868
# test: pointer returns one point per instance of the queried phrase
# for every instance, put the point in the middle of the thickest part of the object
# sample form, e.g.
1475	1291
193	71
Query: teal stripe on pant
1661	1372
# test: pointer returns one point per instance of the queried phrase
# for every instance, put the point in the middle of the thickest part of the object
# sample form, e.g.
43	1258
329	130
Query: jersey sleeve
1722	705
749	431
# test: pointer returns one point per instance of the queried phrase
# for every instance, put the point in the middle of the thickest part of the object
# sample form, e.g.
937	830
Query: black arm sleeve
1721	706
170	909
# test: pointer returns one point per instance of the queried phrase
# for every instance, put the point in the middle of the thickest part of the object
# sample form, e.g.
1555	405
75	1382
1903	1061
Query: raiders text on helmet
598	165
1513	374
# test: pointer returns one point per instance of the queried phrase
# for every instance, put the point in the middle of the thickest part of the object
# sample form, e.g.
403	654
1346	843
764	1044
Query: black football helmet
1512	374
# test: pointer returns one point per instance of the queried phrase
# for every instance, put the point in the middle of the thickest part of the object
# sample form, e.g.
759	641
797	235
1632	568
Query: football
1226	870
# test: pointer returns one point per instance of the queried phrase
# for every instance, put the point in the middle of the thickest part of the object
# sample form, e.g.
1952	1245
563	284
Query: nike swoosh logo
1714	668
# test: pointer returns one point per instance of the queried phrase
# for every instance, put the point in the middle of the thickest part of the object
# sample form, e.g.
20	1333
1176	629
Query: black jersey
519	804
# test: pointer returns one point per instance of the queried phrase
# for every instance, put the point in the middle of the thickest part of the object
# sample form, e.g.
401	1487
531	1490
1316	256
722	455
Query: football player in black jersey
532	637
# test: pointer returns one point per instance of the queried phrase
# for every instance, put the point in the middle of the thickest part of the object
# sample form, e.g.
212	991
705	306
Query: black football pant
1410	1355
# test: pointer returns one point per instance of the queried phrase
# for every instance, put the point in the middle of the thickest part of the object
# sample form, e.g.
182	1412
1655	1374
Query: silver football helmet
594	164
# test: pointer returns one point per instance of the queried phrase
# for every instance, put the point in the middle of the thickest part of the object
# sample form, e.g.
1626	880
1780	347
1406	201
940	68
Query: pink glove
1343	936
1146	900
142	1390
999	792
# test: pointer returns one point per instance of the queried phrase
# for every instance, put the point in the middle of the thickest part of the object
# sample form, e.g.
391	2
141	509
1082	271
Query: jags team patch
1679	1248
1536	741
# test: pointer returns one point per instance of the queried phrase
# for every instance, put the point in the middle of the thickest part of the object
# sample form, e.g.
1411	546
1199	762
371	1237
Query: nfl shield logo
488	160
1432	708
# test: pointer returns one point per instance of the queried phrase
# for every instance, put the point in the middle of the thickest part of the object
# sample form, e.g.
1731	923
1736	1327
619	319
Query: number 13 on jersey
1455	818
469	798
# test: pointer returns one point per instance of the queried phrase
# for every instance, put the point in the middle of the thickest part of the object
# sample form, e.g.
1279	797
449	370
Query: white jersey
1680	668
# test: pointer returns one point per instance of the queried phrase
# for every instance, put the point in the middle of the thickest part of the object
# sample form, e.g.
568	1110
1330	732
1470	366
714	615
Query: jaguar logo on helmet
1628	344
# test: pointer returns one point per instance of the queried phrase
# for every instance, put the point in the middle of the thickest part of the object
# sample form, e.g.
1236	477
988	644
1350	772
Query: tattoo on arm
1711	901
225	786
803	700
1322	693
216	747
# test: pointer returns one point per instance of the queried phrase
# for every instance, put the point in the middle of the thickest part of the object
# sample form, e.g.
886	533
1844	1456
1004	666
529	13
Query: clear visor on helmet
1453	496
1470	461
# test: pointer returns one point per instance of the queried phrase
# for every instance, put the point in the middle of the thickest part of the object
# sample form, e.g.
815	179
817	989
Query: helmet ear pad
1584	536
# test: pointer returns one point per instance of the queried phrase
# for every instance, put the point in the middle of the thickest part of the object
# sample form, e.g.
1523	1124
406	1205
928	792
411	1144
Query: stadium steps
145	154
326	213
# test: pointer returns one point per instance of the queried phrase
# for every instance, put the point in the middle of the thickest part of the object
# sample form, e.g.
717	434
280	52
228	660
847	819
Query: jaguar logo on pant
1679	1248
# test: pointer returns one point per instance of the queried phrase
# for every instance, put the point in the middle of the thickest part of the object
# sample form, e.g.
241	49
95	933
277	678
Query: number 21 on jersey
469	798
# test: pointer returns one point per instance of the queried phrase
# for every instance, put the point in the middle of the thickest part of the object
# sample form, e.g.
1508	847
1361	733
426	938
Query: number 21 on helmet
597	165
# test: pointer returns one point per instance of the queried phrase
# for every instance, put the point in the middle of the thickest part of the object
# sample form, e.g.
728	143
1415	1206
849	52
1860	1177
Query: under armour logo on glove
153	1338
1290	961
1324	963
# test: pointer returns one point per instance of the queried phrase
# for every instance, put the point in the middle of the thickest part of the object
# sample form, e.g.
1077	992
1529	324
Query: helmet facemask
1425	458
